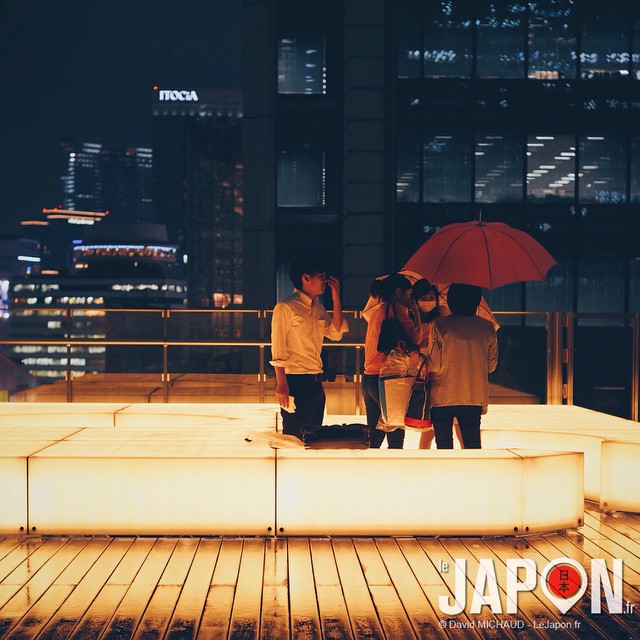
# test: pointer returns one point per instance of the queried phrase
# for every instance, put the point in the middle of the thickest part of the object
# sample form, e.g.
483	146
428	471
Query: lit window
301	66
498	168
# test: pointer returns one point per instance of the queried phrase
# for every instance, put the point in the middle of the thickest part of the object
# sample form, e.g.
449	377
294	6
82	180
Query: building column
364	148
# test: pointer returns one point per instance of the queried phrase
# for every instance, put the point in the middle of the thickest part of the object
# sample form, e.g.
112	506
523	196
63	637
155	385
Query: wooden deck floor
290	588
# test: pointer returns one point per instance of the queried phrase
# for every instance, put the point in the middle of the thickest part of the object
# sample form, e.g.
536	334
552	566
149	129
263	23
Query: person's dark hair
390	284
463	299
376	289
422	287
308	263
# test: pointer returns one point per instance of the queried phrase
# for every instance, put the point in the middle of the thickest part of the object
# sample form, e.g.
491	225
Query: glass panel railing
602	363
521	375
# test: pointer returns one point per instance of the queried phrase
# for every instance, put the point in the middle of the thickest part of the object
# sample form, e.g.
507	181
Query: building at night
197	188
116	266
108	177
372	123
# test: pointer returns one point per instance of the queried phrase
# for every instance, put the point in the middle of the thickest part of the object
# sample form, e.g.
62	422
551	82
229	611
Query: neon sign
173	95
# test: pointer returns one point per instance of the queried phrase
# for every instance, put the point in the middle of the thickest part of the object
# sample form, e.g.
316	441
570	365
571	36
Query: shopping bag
397	376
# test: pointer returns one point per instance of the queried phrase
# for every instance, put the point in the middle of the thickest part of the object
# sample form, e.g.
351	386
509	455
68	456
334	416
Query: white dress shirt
298	328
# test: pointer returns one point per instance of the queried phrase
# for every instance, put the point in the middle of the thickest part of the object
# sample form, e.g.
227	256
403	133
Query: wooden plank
108	553
484	619
305	621
541	550
245	617
9	546
613	529
362	613
334	619
46	607
393	618
216	615
425	557
424	619
8	564
129	612
186	617
534	608
575	546
274	623
157	615
36	574
103	608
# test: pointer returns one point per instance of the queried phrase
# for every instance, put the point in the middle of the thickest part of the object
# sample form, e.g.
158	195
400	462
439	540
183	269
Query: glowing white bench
384	492
173	468
611	445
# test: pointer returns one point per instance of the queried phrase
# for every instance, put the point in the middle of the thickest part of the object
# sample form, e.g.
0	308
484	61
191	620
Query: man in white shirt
299	325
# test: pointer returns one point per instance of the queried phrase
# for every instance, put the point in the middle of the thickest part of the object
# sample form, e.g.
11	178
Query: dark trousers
469	420
371	394
310	400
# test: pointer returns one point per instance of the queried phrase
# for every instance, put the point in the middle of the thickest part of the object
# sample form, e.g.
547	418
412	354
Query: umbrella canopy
484	254
374	303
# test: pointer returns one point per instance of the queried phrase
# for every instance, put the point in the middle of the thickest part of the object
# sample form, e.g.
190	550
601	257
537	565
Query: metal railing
551	357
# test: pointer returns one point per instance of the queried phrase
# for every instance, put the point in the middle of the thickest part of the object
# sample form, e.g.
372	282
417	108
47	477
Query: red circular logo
564	580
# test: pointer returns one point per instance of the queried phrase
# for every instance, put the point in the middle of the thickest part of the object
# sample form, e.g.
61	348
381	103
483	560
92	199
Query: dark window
605	42
551	167
552	39
448	38
301	177
498	168
601	285
408	167
603	169
635	170
302	65
501	37
409	48
447	168
555	293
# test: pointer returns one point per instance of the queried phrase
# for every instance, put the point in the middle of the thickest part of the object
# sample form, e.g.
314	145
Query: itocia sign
172	95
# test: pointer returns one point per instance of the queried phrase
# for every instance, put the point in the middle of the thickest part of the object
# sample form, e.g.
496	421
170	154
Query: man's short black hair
463	299
309	263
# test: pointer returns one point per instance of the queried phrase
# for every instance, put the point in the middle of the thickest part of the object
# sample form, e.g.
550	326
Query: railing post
635	366
69	375
554	358
357	381
568	356
68	372
165	357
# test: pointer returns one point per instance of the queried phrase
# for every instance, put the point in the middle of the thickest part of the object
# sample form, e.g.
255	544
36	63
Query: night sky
85	69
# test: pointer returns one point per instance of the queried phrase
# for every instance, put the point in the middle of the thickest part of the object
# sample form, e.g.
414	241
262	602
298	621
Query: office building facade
371	124
198	187
108	177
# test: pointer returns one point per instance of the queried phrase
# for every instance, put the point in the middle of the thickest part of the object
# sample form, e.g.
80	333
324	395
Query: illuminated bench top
222	468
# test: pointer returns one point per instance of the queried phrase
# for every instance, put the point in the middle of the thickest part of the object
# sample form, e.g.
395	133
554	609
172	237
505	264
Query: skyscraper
108	177
198	185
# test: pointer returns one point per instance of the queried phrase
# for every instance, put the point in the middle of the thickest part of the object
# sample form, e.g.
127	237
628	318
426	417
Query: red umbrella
485	254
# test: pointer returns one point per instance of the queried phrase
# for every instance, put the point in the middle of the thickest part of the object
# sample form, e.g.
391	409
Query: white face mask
426	305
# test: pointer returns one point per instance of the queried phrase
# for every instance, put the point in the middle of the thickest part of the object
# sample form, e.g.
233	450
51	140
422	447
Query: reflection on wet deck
281	588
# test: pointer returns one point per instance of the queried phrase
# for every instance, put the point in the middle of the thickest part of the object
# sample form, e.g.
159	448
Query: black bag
337	436
392	334
417	414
